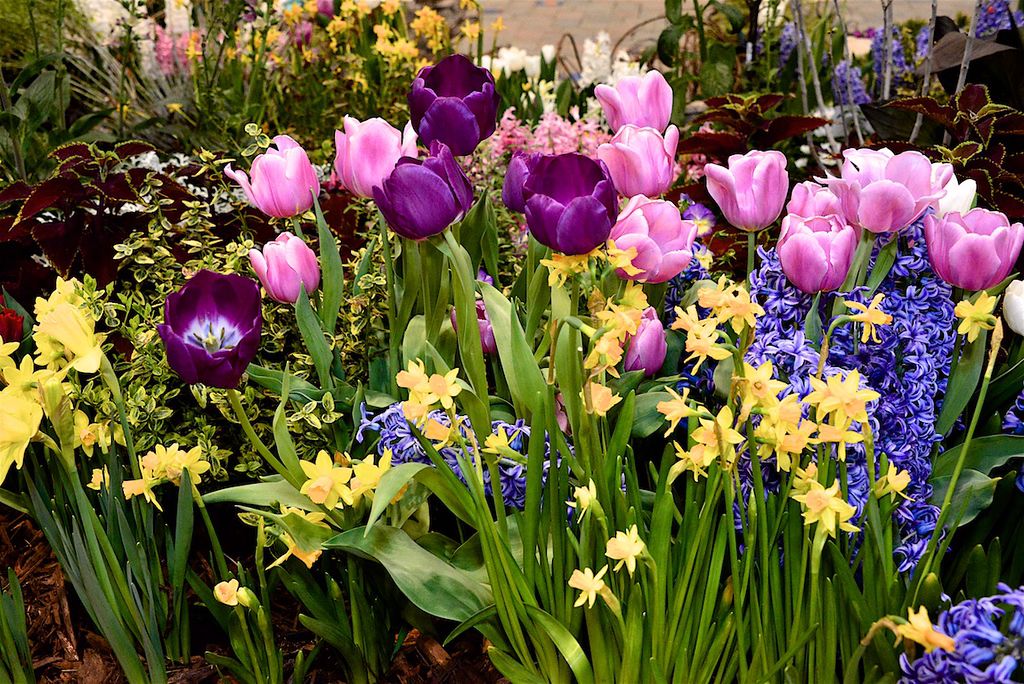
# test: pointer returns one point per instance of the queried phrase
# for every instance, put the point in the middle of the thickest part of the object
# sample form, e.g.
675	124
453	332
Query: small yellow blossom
687	319
825	506
919	628
89	435
583	497
625	547
327	483
803	477
496	442
702	343
498	25
605	354
757	388
739	310
20	423
141	487
6	349
675	409
414	378
167	463
838	434
718	437
308	558
227	592
841	396
622	259
693	461
602	399
713	297
439	433
870	316
100	479
366	476
977	316
67	333
895	481
588	584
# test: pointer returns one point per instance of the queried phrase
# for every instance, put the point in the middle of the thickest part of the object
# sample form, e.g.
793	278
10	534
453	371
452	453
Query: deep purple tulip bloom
212	328
515	176
570	202
422	197
454	102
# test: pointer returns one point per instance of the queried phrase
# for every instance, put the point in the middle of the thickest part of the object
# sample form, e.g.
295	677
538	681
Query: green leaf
273	380
390	484
962	382
333	273
269	493
673	11
525	380
883	264
433	585
973	494
648	420
986	454
668	44
512	669
565	643
478	234
313	337
812	325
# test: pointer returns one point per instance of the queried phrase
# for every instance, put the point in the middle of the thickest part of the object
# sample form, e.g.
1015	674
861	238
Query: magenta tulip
882	192
283	181
638	100
752	190
973	251
646	350
816	252
640	160
811	199
368	152
662	239
283	265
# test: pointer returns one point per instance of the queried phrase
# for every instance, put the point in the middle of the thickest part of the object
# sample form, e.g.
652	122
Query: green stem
235	399
751	253
218	552
394	339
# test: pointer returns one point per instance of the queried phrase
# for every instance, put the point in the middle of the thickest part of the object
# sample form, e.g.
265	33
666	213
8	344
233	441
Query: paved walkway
532	23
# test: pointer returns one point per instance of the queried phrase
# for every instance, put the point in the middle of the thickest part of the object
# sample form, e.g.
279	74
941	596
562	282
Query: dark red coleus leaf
718	145
14	192
60	240
65	190
132	148
785	127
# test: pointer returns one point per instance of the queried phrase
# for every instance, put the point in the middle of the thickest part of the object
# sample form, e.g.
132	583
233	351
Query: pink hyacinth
816	252
638	100
640	160
662	239
751	190
973	251
283	182
368	151
284	265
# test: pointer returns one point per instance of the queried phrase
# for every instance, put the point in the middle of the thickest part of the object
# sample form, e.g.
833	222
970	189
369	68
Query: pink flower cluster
552	135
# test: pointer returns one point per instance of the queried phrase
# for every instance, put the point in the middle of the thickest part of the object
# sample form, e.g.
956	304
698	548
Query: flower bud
284	265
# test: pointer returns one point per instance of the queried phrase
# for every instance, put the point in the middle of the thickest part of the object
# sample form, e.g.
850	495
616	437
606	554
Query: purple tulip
486	330
646	350
816	252
570	202
284	265
423	197
752	190
882	192
454	102
662	239
283	181
211	328
368	152
515	176
641	161
325	7
973	251
639	100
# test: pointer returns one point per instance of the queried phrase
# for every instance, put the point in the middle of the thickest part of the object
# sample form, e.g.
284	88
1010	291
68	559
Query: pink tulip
752	190
883	192
640	160
647	349
368	152
973	251
816	252
663	240
283	181
811	199
283	265
325	7
639	100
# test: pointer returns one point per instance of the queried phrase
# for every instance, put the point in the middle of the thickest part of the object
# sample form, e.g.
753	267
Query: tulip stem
393	338
751	251
235	399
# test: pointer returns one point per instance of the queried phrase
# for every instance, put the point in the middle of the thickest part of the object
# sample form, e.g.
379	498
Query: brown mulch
66	651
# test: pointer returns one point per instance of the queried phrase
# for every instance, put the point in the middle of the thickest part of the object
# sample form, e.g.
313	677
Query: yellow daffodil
563	266
675	409
686	319
141	487
712	297
695	461
718	437
100	479
841	396
414	378
605	354
870	316
308	558
69	333
6	349
803	477
919	628
437	432
702	343
588	584
757	388
583	497
89	435
739	310
19	424
366	476
895	481
977	316
622	259
625	547
826	506
633	297
327	483
227	592
169	463
602	399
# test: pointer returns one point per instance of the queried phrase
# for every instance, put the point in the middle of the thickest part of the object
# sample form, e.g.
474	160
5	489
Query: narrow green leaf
565	642
986	454
313	337
390	484
962	383
333	273
270	493
525	380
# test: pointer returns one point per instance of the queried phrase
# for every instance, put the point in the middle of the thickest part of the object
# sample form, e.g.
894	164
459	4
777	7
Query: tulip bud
751	190
454	102
12	325
662	239
638	100
647	348
283	183
368	152
1013	306
816	252
973	251
640	160
487	341
959	197
283	265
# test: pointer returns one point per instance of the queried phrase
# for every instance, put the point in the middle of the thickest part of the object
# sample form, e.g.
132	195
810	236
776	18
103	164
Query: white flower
959	197
548	52
532	66
1013	306
513	58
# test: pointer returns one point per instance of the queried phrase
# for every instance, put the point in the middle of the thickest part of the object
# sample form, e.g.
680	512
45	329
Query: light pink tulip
647	349
640	160
882	192
663	240
973	251
283	265
811	199
816	252
639	100
283	181
325	7
752	190
368	152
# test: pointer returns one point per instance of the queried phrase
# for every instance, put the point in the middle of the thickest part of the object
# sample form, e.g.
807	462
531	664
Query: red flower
11	325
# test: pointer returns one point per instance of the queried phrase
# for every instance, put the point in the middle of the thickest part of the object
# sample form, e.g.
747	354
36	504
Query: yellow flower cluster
429	25
334	482
162	464
824	505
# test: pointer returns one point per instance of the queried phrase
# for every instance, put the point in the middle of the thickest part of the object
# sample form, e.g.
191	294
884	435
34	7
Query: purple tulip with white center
212	328
454	102
422	197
